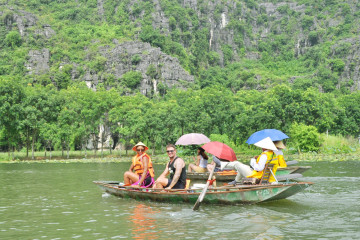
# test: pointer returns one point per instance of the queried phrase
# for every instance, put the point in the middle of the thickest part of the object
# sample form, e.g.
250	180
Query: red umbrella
192	139
220	150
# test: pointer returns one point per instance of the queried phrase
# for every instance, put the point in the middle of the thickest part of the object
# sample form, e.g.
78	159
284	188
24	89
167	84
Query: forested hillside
222	67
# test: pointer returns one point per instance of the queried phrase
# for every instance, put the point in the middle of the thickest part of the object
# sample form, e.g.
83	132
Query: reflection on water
143	226
59	201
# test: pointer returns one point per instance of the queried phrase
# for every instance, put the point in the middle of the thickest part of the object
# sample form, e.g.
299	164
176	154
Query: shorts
178	185
148	181
200	169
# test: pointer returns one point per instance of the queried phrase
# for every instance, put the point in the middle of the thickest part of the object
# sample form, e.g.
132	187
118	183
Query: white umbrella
192	139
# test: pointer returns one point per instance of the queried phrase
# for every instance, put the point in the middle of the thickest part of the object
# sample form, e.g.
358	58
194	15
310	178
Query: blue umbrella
274	134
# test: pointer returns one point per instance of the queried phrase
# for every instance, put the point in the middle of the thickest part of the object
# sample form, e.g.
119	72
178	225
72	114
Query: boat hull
243	194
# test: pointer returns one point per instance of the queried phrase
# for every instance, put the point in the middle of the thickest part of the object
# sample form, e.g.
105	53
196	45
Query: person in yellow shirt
267	155
279	153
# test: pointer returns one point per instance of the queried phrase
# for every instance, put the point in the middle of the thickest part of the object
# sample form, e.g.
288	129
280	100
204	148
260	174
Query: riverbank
333	148
304	157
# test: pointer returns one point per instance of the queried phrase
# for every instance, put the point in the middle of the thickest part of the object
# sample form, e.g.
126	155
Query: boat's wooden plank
224	195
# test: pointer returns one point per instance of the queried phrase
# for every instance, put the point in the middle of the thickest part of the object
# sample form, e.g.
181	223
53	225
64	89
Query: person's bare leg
210	167
191	165
161	183
130	177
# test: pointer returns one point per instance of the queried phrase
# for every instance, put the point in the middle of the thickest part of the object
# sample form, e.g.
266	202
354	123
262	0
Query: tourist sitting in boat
177	170
141	172
241	169
267	155
201	162
279	153
215	163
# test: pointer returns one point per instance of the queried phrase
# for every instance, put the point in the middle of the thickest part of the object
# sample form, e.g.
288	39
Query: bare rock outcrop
25	23
38	62
120	60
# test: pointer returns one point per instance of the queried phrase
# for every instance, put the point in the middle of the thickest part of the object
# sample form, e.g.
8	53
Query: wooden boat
291	170
240	194
228	176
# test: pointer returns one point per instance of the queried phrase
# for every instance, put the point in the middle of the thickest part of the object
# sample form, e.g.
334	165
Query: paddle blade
196	205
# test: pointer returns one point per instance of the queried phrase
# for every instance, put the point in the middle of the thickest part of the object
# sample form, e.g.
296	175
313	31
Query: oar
202	195
293	162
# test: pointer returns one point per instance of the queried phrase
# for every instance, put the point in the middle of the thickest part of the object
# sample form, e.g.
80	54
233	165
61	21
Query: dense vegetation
301	80
37	116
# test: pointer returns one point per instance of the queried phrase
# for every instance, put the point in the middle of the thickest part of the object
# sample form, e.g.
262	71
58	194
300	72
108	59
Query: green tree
315	109
85	105
128	117
48	132
304	138
348	120
11	111
38	109
160	121
107	100
132	79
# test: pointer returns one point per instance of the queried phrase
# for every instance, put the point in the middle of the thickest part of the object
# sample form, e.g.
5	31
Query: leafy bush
98	64
135	59
214	58
152	71
337	65
131	79
13	39
313	37
304	138
307	22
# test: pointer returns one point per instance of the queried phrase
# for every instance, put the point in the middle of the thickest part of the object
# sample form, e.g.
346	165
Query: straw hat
279	144
266	143
140	144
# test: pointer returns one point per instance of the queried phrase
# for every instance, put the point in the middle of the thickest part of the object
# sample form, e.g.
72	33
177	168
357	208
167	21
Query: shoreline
304	157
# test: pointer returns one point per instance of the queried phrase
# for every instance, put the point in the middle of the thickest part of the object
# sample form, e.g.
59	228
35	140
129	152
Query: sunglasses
140	150
170	151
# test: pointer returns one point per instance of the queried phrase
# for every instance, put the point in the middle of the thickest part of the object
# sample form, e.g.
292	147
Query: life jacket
281	160
138	165
270	158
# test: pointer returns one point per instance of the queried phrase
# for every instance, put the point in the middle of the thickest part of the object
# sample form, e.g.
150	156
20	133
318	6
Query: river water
59	201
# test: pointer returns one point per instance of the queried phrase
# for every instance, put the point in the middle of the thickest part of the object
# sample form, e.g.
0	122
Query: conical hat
140	144
266	143
279	144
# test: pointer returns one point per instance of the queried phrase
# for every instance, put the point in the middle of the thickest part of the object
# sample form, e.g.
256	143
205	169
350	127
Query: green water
59	201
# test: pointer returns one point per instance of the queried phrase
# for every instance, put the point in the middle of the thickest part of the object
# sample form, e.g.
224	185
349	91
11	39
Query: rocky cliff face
350	52
120	60
38	62
25	23
253	24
